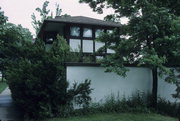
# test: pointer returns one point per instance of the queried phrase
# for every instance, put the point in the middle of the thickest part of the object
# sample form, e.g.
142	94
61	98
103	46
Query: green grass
3	86
118	117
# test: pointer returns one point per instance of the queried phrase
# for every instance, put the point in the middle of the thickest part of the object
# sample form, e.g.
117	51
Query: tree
11	36
151	36
3	20
45	13
37	80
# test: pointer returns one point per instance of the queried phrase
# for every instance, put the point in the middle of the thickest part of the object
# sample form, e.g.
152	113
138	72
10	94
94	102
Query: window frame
79	31
83	32
93	28
51	33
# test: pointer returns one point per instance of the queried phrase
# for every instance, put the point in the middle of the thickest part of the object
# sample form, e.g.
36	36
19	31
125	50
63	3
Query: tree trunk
2	76
154	88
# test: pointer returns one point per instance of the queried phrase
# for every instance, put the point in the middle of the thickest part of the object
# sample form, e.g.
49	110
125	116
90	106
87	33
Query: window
50	37
75	45
98	45
49	40
75	31
99	58
109	31
98	32
88	46
87	32
110	50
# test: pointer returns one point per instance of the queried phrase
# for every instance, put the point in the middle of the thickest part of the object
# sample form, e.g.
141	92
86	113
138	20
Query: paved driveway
8	112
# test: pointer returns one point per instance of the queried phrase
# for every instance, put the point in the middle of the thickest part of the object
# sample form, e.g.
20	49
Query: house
80	33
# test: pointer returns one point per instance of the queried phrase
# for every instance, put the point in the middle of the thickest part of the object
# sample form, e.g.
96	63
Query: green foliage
130	7
112	18
58	10
37	79
11	37
111	104
117	117
136	103
3	20
151	37
45	13
3	86
168	108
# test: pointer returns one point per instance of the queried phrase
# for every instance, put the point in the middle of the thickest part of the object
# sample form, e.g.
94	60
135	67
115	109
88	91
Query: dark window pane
98	32
109	31
87	32
75	45
99	45
75	31
88	46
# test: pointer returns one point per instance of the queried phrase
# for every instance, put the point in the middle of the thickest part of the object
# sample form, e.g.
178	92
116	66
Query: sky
20	11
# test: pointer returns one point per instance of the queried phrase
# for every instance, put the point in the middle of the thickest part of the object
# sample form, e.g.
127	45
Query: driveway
8	112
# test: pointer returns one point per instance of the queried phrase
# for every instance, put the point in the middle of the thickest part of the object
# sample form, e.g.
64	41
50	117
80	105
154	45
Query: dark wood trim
47	33
84	24
172	66
90	27
88	38
82	64
98	64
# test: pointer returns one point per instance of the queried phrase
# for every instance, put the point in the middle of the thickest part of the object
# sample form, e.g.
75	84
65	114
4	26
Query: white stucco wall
165	90
105	84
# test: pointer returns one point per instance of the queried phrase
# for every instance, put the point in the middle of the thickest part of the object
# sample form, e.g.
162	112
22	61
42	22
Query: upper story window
98	32
50	37
49	40
75	31
109	31
75	45
87	32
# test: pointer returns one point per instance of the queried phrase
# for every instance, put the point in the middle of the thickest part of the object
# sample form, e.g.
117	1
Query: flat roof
84	20
78	20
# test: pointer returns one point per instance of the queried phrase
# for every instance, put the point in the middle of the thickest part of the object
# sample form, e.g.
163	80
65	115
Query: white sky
19	11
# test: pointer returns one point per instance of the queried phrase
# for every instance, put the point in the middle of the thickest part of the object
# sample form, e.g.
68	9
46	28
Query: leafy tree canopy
11	36
151	36
45	13
130	7
37	77
3	20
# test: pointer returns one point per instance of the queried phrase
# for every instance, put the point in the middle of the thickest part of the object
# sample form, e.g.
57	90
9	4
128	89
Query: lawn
3	85
118	117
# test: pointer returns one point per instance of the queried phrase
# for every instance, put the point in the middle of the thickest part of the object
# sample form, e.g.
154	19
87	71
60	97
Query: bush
136	103
168	108
37	80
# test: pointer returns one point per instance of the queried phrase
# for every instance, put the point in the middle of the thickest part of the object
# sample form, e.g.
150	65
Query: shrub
135	103
38	82
168	108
